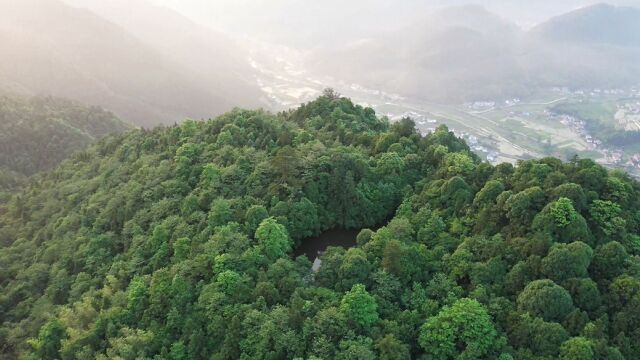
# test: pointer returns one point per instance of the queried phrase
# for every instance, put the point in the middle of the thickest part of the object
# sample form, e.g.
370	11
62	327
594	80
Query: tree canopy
176	243
36	134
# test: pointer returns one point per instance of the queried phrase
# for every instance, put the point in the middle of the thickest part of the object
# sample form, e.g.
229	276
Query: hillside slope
592	47
36	134
451	55
52	48
219	62
9	180
175	243
604	24
467	53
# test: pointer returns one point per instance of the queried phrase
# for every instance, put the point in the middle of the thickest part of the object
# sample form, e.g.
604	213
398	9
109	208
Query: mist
159	61
305	23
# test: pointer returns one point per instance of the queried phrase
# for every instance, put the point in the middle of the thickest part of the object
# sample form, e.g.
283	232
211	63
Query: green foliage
273	238
546	299
566	261
563	212
39	133
606	215
391	348
534	335
49	340
178	243
458	164
577	348
609	260
360	307
461	331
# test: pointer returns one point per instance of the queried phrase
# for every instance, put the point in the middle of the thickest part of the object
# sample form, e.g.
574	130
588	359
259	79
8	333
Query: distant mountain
466	53
454	54
53	48
219	62
598	24
36	134
596	46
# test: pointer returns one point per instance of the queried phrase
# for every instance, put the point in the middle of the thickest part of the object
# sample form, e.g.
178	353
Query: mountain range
158	70
151	65
37	134
468	53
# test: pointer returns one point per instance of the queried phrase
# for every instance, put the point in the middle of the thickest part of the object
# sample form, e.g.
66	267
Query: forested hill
175	243
10	180
37	133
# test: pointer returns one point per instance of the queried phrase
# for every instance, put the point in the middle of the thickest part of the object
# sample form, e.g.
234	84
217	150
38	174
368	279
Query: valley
498	130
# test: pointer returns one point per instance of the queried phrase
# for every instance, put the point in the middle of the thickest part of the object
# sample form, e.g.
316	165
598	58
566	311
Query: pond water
313	247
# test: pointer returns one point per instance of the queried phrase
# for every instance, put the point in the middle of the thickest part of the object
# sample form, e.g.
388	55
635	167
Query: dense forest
37	133
175	243
10	180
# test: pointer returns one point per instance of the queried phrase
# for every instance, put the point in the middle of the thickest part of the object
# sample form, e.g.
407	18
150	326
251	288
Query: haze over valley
158	62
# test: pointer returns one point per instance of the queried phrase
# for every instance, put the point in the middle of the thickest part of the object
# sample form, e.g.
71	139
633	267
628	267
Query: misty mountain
596	46
467	53
453	54
598	24
53	48
306	24
38	133
214	57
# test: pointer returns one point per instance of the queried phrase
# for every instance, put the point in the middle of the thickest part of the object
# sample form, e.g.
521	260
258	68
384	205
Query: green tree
523	206
609	261
457	164
355	268
360	307
220	213
536	335
566	261
254	216
392	257
273	239
47	345
545	299
577	348
606	216
461	331
390	348
181	249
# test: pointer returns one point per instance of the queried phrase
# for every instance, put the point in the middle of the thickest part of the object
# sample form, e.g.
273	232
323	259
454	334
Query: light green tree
273	238
461	331
360	307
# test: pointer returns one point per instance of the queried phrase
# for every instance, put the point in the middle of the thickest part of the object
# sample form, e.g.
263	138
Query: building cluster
628	116
476	146
632	108
634	161
614	156
593	92
578	126
511	102
480	105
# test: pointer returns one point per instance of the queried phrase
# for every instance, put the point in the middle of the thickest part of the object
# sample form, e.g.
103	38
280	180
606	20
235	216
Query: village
610	155
484	124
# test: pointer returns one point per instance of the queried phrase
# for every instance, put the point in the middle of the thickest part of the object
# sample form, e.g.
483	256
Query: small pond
313	247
